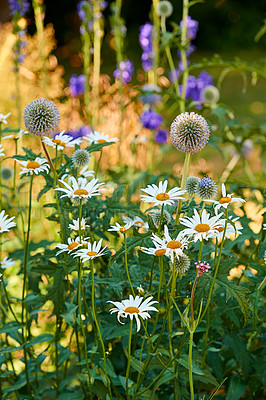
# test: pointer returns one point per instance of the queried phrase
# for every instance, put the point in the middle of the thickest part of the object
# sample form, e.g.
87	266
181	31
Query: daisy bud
140	290
191	185
164	9
156	217
202	266
41	117
80	158
190	132
206	188
181	264
6	173
210	94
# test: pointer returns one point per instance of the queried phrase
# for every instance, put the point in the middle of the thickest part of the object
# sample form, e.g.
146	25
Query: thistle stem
183	181
128	359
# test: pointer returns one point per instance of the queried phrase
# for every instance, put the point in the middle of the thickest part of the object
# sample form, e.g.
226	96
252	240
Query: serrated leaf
236	388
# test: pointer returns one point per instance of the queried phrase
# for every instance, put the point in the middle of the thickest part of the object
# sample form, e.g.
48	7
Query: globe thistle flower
6	173
80	158
181	263
164	9
151	119
41	117
191	185
206	188
210	94
190	132
202	266
156	217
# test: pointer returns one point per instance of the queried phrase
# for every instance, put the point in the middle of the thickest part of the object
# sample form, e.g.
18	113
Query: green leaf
137	365
166	377
11	327
236	388
69	314
195	369
46	337
98	146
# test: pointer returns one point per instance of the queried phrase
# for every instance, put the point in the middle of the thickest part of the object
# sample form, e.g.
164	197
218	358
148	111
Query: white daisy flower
61	140
158	196
6	223
36	166
72	244
133	308
3	118
81	188
225	200
7	262
96	137
75	224
137	221
16	136
160	248
230	229
118	228
201	227
2	151
92	251
85	173
175	246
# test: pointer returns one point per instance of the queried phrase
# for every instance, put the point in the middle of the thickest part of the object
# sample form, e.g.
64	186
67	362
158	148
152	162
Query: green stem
98	163
183	55
155	40
38	13
96	63
161	219
25	276
200	250
183	181
87	62
128	359
190	365
126	264
94	312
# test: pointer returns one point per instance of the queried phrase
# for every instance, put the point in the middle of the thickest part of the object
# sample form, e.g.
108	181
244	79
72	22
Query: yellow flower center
139	223
101	141
202	228
160	252
224	200
122	229
80	192
219	228
58	142
32	165
162	196
71	246
132	310
91	253
174	244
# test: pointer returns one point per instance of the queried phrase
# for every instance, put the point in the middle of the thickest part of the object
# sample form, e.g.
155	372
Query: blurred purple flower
161	136
77	85
172	75
192	28
125	70
82	131
148	96
20	6
151	119
145	40
195	86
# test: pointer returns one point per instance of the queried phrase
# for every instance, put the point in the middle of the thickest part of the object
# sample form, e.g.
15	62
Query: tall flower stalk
39	17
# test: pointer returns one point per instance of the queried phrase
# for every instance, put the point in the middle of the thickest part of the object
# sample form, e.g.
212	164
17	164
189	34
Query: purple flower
161	136
195	85
151	119
145	40
82	131
172	75
192	28
149	97
77	85
20	6
125	71
202	266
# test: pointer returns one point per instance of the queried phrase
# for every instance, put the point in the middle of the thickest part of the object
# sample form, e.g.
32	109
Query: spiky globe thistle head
6	173
156	217
164	9
206	188
190	132
191	185
210	94
41	117
181	264
80	158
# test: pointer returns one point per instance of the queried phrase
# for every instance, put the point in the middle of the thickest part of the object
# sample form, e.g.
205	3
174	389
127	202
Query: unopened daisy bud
190	132
6	173
164	9
156	217
206	188
202	266
140	290
191	185
80	158
210	94
181	264
41	117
